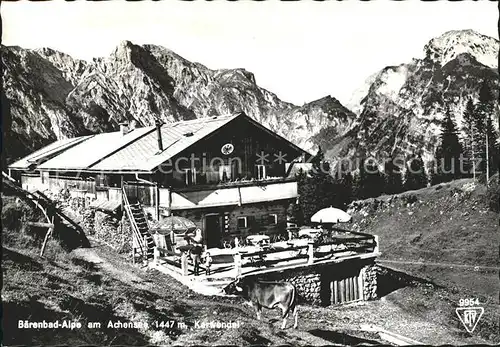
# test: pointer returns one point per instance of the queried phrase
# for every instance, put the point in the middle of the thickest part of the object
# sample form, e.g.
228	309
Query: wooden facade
255	155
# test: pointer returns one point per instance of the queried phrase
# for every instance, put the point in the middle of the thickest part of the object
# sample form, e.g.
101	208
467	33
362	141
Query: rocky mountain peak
400	108
123	49
449	45
326	100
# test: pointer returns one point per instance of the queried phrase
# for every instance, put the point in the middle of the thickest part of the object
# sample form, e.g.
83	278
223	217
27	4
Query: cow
266	294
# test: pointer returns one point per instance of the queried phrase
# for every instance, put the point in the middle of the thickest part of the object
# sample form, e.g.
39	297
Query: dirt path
447	265
90	255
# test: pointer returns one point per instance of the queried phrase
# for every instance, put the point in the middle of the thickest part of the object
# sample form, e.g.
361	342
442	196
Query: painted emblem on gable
228	148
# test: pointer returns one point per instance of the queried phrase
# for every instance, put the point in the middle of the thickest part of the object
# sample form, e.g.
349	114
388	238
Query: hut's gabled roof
47	152
133	152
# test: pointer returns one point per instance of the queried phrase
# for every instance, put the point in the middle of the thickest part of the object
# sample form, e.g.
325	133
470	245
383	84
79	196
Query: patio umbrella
174	225
177	224
330	215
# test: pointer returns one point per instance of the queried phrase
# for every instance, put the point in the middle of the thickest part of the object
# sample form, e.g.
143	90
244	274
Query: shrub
12	216
15	212
493	194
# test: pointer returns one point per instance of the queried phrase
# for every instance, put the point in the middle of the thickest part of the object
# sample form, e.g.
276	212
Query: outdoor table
258	239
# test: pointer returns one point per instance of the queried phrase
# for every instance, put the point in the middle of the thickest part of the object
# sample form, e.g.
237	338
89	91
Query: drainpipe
157	201
169	209
143	180
122	208
157	207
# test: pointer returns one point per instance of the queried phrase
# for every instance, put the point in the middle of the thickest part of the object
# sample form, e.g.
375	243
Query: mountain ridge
52	95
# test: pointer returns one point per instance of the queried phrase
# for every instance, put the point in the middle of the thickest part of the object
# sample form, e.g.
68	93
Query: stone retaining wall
370	276
313	282
113	230
88	221
307	281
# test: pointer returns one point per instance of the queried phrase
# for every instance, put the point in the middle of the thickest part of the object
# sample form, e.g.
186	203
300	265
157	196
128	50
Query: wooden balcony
233	184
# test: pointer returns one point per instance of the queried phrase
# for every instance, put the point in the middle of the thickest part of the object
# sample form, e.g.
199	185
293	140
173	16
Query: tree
469	129
415	175
393	179
307	203
359	180
369	182
322	181
342	191
374	179
315	188
485	139
343	184
356	189
347	183
493	153
449	151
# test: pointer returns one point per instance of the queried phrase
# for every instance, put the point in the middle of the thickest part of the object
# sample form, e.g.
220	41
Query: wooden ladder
140	228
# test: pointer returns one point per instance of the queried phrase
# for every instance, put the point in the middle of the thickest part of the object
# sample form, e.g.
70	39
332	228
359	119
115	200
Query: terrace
333	246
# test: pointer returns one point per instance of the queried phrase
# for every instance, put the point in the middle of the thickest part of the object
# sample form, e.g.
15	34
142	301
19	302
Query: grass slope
97	285
446	234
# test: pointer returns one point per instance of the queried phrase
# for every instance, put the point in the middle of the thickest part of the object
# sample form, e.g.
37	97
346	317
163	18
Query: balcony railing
235	183
338	247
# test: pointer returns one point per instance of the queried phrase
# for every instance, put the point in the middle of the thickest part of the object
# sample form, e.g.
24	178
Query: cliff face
51	95
403	105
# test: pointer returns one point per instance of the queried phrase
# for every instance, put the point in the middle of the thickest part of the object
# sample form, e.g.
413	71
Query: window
212	175
114	181
190	176
242	222
272	219
224	173
100	180
261	172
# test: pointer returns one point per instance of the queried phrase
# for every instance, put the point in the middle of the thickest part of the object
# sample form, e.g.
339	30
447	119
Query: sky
301	51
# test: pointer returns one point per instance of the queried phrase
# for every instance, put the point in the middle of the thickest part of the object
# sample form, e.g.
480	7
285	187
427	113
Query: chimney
124	128
158	135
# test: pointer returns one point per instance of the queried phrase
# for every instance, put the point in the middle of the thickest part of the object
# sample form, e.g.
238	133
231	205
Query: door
347	289
213	228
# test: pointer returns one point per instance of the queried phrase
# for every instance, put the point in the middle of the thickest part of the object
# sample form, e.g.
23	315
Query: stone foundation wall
313	283
308	287
88	221
113	230
370	275
307	282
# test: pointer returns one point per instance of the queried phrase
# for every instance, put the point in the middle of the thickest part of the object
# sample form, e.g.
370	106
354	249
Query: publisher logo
469	314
